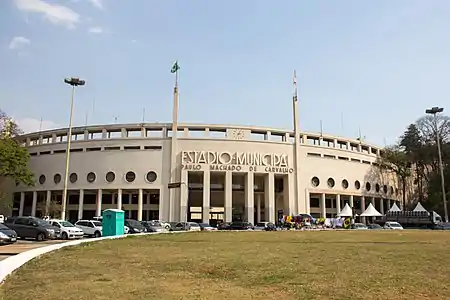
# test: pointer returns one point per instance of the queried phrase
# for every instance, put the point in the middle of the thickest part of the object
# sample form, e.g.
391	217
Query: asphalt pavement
22	246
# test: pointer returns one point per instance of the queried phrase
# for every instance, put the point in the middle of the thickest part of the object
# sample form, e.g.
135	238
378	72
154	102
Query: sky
369	66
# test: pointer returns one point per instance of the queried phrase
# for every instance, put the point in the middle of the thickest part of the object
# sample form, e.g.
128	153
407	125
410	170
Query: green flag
175	67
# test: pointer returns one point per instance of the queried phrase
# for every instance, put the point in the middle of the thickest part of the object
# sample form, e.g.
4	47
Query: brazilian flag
347	223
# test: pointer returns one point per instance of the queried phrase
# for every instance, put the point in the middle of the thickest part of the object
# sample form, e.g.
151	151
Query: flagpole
173	208
296	207
321	128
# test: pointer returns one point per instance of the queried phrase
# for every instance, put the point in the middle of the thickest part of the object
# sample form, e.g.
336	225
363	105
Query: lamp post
434	111
74	82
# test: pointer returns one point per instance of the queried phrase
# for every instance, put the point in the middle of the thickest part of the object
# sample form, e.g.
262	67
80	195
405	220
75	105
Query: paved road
22	246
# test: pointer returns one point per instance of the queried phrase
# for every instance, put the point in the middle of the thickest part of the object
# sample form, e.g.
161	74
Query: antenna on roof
87	117
143	115
321	128
40	125
115	119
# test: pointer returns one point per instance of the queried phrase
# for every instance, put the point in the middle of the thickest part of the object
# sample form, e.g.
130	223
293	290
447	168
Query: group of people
305	221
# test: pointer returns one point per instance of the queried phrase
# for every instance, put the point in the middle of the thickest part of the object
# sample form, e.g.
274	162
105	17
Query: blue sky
374	65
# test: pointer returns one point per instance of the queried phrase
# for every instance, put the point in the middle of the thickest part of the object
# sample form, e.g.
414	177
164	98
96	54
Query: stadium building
219	172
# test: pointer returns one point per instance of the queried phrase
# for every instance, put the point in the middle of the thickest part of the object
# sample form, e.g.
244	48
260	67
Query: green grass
247	265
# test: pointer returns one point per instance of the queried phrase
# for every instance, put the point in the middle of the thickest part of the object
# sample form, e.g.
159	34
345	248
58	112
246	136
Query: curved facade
225	173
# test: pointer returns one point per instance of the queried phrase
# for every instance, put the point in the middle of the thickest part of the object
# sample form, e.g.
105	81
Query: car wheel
40	237
64	236
97	234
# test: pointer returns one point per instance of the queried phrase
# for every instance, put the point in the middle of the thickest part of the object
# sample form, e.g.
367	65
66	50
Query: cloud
96	30
97	3
32	125
18	42
134	41
54	13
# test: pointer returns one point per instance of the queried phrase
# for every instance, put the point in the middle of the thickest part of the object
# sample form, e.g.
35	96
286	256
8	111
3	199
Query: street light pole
434	111
73	82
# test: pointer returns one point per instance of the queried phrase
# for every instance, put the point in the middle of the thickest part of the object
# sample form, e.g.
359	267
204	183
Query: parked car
178	226
359	226
374	227
90	227
393	226
241	226
224	226
7	235
206	227
153	226
32	227
161	223
2	219
442	226
135	226
68	230
262	225
192	226
270	227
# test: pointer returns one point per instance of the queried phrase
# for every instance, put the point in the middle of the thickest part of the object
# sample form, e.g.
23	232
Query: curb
10	264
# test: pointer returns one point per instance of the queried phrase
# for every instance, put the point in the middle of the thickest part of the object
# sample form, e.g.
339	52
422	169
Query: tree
13	160
53	209
395	159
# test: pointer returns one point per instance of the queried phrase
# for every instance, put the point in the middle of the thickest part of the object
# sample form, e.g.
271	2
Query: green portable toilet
113	222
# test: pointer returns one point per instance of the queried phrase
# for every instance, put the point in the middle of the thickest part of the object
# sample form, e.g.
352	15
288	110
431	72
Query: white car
261	226
90	227
193	226
393	226
68	230
166	225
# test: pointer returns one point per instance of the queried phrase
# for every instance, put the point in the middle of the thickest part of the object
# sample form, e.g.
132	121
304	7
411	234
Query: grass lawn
244	265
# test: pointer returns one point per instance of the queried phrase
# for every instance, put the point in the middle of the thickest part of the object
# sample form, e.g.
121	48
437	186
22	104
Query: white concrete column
269	198
350	202
80	205
363	208
250	197
258	208
98	209
184	197
119	199
206	196
382	206
323	206
33	205
48	200
140	204
338	203
307	202
22	203
228	196
289	194
130	197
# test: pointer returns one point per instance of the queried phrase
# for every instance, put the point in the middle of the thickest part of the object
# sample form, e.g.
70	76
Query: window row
110	176
315	182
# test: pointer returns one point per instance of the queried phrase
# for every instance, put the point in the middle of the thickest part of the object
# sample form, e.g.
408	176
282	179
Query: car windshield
193	224
134	223
3	226
204	225
97	223
395	225
66	224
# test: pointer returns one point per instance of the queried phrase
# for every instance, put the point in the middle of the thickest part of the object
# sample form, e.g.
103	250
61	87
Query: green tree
394	159
13	160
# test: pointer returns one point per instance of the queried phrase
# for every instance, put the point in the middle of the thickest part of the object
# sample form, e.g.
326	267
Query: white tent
346	211
419	208
394	208
371	212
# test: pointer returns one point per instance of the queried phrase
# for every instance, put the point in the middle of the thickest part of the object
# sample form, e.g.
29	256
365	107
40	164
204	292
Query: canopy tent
420	208
394	208
371	212
346	211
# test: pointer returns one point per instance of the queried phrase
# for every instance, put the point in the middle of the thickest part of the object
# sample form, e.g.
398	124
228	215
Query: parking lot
22	246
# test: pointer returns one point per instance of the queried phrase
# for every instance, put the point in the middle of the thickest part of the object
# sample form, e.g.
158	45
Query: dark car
223	226
375	227
135	226
31	227
442	226
270	227
241	226
153	226
7	235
